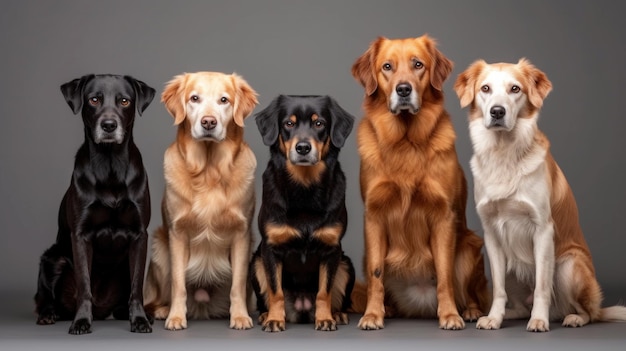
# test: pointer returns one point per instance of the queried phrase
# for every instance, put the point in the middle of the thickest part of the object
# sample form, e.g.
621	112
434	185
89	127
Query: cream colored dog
201	253
532	234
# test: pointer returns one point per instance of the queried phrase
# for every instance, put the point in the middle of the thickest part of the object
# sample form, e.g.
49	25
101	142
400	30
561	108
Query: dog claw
81	326
538	325
326	325
140	325
241	323
371	322
273	326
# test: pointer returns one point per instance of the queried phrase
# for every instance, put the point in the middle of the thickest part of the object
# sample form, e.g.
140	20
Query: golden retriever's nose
208	122
404	89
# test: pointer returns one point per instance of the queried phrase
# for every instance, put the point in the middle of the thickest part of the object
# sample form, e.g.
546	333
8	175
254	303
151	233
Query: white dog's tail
615	313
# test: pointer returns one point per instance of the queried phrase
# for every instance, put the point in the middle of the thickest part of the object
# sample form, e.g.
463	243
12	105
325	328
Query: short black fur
96	266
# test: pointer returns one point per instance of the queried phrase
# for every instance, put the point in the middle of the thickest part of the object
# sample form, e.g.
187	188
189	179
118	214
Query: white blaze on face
499	89
209	101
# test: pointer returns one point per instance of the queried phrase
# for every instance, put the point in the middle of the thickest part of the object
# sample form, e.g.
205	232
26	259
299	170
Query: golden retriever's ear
364	69
465	85
173	97
539	86
441	66
245	99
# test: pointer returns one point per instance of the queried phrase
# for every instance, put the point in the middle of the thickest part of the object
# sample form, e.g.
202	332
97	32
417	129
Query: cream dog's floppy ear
245	99
173	97
465	85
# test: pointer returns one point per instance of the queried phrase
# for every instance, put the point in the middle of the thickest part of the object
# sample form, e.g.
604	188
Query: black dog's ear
73	92
267	121
143	93
341	124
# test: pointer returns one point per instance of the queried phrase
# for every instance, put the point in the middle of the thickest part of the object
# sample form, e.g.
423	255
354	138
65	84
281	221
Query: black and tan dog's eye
319	124
124	102
94	101
289	124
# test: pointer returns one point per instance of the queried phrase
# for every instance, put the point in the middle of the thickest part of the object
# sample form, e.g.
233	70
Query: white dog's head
208	101
501	93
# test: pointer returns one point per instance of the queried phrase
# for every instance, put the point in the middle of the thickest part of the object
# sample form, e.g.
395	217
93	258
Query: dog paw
371	321
341	318
538	325
273	326
140	325
80	326
241	323
451	322
176	323
472	314
262	317
47	318
326	325
161	312
488	323
573	321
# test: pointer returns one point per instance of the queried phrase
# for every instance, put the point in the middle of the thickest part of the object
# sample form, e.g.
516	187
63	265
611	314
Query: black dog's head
304	128
108	104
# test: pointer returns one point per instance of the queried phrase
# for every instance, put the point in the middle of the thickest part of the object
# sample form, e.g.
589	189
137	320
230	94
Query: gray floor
18	330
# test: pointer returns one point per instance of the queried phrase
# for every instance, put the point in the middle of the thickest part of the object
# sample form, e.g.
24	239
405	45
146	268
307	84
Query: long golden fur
201	252
421	260
532	233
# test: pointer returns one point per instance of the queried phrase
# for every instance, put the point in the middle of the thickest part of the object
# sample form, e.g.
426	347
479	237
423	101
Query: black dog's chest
111	221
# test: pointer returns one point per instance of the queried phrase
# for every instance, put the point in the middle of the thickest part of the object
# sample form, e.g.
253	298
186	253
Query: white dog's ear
465	85
173	97
245	99
539	86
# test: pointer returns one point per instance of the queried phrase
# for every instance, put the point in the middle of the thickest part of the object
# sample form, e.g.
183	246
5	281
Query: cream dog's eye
224	99
515	89
485	88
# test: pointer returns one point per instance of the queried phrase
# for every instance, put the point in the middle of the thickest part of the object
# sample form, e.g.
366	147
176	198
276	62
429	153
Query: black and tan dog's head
107	104
304	128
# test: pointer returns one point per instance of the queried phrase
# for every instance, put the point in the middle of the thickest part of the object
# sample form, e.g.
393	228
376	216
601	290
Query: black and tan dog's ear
267	121
245	99
73	92
441	66
341	123
173	97
465	85
364	69
143	93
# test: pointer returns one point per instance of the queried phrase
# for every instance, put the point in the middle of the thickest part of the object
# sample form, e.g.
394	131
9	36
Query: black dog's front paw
47	318
140	325
80	326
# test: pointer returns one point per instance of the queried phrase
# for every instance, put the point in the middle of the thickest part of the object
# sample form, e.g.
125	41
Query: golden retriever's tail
359	297
615	313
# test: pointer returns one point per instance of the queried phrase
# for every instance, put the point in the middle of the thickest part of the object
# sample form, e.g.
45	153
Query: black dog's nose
108	125
404	89
303	148
208	122
497	112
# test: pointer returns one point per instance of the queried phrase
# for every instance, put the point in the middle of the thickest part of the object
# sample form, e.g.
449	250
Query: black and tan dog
96	266
299	271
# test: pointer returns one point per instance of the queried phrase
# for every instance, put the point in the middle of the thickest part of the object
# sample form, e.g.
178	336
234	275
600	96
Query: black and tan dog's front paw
326	325
273	326
140	325
80	326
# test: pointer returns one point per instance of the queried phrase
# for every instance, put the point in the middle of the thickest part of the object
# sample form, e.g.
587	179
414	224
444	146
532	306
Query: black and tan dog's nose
303	147
497	112
208	122
404	89
108	125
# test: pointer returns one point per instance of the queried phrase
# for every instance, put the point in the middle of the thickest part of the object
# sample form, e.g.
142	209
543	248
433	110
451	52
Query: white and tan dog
200	254
532	234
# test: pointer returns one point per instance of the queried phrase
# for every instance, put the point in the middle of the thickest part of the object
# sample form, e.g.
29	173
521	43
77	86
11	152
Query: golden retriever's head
208	102
500	93
405	71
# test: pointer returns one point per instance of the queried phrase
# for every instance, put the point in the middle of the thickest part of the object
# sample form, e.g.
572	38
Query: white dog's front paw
488	323
538	325
241	322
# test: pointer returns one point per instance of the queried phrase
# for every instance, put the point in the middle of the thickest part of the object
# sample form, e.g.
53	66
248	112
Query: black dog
299	270
96	266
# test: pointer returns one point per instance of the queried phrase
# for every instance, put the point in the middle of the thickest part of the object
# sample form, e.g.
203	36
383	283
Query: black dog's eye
289	124
94	101
319	124
224	99
124	102
418	65
485	88
386	66
515	89
194	98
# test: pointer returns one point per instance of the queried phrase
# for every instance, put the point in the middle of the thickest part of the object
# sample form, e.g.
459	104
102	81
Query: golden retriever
421	260
528	212
200	254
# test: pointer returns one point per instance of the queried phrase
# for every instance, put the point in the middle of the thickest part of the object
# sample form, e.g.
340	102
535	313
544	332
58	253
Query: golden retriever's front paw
161	312
451	322
341	318
241	322
326	325
175	323
274	326
371	321
488	323
538	325
471	314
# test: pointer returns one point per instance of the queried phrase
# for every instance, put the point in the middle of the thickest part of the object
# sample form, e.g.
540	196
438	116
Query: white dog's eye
485	88
194	98
386	66
224	99
515	89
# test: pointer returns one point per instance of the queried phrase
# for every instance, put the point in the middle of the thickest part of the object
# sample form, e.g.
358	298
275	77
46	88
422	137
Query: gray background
297	47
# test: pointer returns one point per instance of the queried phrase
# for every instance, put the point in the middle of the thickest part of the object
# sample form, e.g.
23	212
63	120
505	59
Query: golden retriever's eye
418	65
485	88
224	99
319	124
386	66
124	102
289	124
515	89
194	98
